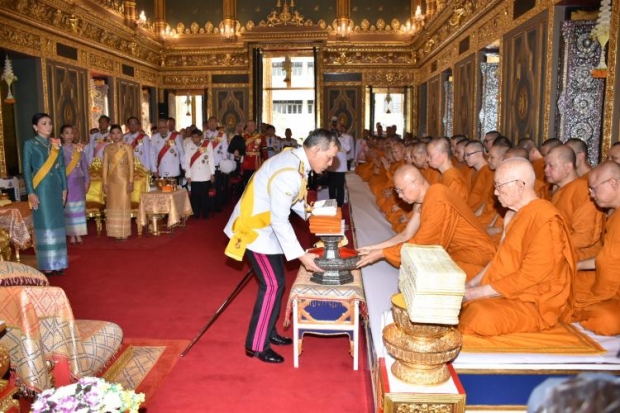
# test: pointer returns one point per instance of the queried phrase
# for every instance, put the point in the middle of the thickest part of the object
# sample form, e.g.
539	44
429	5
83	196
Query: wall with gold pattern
434	111
343	103
524	60
231	105
128	101
464	97
67	89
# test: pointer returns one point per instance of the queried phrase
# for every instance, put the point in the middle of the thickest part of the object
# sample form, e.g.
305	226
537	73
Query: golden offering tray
421	351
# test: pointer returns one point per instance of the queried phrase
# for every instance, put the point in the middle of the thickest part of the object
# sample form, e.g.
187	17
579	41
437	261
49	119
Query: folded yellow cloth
561	339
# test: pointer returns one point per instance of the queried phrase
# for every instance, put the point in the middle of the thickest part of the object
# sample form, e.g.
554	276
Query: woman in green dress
46	183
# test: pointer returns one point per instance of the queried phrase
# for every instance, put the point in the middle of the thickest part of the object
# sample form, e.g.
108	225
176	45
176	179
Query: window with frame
287	106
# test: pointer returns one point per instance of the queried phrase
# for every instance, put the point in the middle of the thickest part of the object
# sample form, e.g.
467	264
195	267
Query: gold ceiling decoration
285	15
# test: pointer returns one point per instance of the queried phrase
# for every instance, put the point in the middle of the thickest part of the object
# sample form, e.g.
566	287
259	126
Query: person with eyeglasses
439	158
597	284
489	138
527	285
572	199
440	217
482	178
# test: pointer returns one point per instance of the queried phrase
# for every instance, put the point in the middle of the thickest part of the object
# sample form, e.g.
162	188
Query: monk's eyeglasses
498	186
467	155
400	191
593	188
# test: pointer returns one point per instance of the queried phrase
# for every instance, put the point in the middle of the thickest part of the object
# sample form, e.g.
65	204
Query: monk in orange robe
597	286
585	221
613	154
461	164
420	160
581	153
527	285
535	157
387	196
439	156
482	179
440	218
492	207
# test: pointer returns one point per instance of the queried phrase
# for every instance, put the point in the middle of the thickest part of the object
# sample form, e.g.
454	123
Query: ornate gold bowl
159	183
421	351
417	330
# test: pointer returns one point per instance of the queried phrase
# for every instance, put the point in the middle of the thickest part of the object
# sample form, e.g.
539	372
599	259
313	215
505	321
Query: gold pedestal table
157	208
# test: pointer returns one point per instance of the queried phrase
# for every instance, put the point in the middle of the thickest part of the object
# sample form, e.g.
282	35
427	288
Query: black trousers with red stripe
269	270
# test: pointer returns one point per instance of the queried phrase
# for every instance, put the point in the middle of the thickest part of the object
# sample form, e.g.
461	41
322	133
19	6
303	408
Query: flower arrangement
89	394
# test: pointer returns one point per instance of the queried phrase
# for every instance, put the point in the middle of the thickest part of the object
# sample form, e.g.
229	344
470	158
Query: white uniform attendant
219	142
347	141
278	198
170	163
141	144
96	144
203	167
273	145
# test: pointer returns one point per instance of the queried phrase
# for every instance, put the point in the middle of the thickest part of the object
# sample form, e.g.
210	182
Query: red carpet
167	288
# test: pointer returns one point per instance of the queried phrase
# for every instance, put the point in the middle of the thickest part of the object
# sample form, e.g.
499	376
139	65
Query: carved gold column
414	6
160	16
2	152
129	7
431	7
343	9
611	112
229	9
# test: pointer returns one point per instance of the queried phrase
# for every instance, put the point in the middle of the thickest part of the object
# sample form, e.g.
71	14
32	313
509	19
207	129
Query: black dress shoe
59	272
267	356
278	340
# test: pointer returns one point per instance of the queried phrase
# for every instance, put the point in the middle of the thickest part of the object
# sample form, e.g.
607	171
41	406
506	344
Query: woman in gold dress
117	179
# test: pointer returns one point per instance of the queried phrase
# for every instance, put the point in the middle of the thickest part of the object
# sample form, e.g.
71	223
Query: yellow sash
245	226
75	158
116	159
47	166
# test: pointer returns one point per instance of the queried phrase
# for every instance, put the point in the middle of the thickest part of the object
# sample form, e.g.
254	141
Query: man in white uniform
199	172
140	143
219	142
259	228
166	151
98	140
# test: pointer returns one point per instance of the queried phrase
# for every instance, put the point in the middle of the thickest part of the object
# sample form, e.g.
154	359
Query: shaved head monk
541	187
581	153
613	154
548	145
482	179
489	138
439	158
526	286
420	161
597	291
535	157
491	206
585	221
459	157
445	219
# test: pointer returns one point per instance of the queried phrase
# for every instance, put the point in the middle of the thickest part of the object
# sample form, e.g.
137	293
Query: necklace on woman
45	142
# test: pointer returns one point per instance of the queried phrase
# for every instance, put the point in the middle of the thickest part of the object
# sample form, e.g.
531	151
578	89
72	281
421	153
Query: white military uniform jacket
278	237
142	149
204	166
350	143
170	164
96	144
220	145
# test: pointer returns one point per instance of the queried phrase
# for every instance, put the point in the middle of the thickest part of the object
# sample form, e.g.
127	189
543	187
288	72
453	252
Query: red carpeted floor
168	288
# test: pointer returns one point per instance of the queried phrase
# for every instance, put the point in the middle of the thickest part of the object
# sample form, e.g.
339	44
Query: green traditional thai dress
49	218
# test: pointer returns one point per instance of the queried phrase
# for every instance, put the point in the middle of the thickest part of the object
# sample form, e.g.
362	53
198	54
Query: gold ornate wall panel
434	109
344	102
231	105
128	102
611	112
465	75
67	91
218	59
524	62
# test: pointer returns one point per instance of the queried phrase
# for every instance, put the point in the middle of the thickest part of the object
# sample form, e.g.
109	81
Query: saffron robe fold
454	180
533	271
585	221
446	220
539	168
597	293
481	187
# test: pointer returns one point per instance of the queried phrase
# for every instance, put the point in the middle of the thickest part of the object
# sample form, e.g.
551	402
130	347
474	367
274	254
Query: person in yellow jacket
259	228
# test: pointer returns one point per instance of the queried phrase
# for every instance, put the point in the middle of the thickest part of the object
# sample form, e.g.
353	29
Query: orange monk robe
364	170
403	220
446	220
387	196
396	213
491	208
431	175
542	189
597	293
454	180
533	271
585	221
539	168
467	171
482	186
455	162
